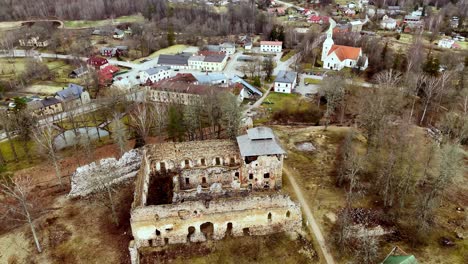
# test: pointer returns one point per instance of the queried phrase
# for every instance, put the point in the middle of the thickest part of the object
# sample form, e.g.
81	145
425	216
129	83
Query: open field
312	81
105	22
174	49
315	173
278	248
288	55
277	101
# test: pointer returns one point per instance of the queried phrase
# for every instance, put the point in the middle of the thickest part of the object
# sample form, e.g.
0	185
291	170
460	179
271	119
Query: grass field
278	101
105	22
312	81
272	249
174	49
288	55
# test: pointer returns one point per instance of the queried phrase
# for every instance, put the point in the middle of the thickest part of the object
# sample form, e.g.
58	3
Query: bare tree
6	124
19	190
449	166
332	88
431	88
44	137
106	194
231	112
119	133
141	122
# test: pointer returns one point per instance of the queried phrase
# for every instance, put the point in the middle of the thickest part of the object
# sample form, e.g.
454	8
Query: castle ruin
198	190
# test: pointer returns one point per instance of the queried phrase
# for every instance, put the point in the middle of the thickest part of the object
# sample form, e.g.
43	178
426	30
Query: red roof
317	19
273	43
97	61
107	73
345	52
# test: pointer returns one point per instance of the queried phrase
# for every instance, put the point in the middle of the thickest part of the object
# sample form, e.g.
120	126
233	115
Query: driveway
304	89
311	223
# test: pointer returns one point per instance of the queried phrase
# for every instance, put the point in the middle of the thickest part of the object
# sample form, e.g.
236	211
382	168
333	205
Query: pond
70	138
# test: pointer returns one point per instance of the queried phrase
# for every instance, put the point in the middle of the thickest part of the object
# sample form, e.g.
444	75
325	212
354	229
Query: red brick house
97	62
318	19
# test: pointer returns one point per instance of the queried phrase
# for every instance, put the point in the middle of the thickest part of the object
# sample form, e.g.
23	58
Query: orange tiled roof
274	43
345	52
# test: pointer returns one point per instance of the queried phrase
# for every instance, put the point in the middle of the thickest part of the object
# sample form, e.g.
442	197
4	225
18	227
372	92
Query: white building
155	74
211	79
336	57
271	46
196	62
228	48
446	43
388	23
285	81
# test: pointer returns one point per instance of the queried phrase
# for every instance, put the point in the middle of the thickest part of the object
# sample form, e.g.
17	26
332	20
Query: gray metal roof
286	76
209	77
154	70
72	92
50	101
251	88
165	59
260	133
259	141
214	58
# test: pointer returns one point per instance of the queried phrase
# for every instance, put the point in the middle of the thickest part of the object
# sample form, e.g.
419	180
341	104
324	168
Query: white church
336	57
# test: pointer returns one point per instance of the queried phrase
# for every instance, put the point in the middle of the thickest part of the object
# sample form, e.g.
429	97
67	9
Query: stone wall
94	176
197	221
263	173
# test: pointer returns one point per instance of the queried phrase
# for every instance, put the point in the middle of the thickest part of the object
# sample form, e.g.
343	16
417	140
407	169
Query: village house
248	91
271	46
155	74
46	106
285	81
211	78
228	48
73	96
208	61
178	61
118	34
106	74
180	91
316	19
33	42
412	19
388	23
394	10
336	57
78	72
97	63
114	51
356	26
446	43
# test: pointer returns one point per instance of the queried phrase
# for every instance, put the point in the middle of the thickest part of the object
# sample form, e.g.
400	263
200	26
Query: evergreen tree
175	124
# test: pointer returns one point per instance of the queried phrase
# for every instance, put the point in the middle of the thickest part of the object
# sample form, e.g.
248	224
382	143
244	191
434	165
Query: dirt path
312	224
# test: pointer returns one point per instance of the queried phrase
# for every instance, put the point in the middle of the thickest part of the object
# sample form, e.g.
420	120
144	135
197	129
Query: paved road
312	224
36	54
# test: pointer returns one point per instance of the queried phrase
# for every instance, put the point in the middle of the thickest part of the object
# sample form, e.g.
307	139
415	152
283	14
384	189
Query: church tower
328	43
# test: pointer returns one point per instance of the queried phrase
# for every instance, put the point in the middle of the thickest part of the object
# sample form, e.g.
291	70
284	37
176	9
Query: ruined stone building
198	190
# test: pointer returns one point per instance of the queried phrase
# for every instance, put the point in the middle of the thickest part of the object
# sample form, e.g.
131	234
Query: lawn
9	66
278	248
277	101
174	49
22	158
105	22
288	55
312	81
